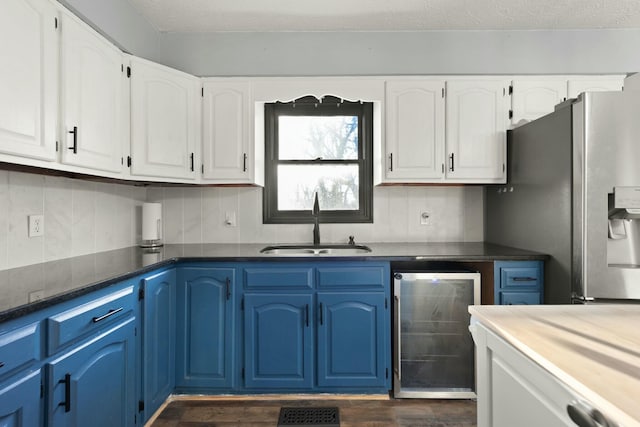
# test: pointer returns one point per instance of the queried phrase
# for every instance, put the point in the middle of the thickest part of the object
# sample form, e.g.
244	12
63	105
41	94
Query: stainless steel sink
312	250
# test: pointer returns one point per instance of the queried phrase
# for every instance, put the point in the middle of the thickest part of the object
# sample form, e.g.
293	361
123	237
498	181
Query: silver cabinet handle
106	316
586	418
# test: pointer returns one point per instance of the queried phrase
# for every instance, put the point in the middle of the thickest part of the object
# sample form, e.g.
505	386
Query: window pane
310	137
337	187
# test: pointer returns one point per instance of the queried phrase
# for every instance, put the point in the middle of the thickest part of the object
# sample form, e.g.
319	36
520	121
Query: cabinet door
351	345
93	82
535	98
477	116
20	401
415	130
28	79
602	84
206	327
519	298
227	132
158	365
164	121
278	350
94	383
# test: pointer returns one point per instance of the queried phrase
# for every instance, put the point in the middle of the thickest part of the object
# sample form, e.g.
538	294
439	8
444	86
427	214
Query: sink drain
309	417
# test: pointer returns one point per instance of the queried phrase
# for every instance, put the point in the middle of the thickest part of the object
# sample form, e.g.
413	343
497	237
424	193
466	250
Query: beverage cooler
434	354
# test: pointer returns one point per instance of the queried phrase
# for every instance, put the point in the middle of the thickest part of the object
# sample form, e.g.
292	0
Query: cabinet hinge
128	161
511	114
55	23
140	405
140	294
129	72
510	89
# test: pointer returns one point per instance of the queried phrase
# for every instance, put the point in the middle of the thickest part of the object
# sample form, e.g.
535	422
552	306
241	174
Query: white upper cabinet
533	98
28	78
415	124
594	84
92	98
476	125
227	132
165	118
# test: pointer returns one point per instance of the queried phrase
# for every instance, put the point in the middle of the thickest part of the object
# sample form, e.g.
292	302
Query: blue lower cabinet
20	402
519	298
93	384
518	282
205	328
278	341
159	326
351	345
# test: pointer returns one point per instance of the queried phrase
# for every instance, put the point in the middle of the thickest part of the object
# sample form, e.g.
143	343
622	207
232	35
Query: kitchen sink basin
312	250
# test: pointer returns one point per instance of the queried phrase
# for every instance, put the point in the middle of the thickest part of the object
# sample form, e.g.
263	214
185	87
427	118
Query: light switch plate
36	225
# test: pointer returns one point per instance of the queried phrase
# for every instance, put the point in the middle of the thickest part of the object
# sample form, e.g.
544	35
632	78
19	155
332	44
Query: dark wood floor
353	413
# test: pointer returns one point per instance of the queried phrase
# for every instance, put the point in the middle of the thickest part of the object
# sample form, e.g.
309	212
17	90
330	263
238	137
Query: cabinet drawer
19	347
79	321
517	277
279	277
341	277
519	298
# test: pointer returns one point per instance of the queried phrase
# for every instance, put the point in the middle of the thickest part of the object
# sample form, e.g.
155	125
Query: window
321	146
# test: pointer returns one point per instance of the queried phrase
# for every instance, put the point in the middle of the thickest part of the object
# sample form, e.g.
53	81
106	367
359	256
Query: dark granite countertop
61	280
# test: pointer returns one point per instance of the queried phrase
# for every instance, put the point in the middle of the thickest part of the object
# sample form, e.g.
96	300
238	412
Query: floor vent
309	417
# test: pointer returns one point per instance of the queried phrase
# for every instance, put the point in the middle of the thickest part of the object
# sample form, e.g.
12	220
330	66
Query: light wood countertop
592	349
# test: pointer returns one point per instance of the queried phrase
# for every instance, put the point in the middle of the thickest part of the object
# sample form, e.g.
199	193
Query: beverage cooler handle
397	347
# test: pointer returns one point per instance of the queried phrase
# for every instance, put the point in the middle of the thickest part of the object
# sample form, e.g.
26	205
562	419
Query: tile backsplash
197	215
80	217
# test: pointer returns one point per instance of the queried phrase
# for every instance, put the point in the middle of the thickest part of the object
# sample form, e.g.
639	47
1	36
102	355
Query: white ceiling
202	16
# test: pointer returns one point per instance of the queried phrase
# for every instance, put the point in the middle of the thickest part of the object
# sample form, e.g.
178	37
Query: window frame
311	106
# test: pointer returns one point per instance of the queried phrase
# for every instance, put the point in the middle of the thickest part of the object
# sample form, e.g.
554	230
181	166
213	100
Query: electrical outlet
425	218
36	295
230	219
36	225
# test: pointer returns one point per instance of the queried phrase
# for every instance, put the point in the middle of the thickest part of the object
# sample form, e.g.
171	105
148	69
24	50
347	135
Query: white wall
81	217
603	51
397	53
197	214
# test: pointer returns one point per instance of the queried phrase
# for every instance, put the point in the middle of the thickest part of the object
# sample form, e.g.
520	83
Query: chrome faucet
316	226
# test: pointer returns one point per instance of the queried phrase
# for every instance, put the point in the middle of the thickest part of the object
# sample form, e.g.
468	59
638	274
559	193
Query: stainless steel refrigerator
573	192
